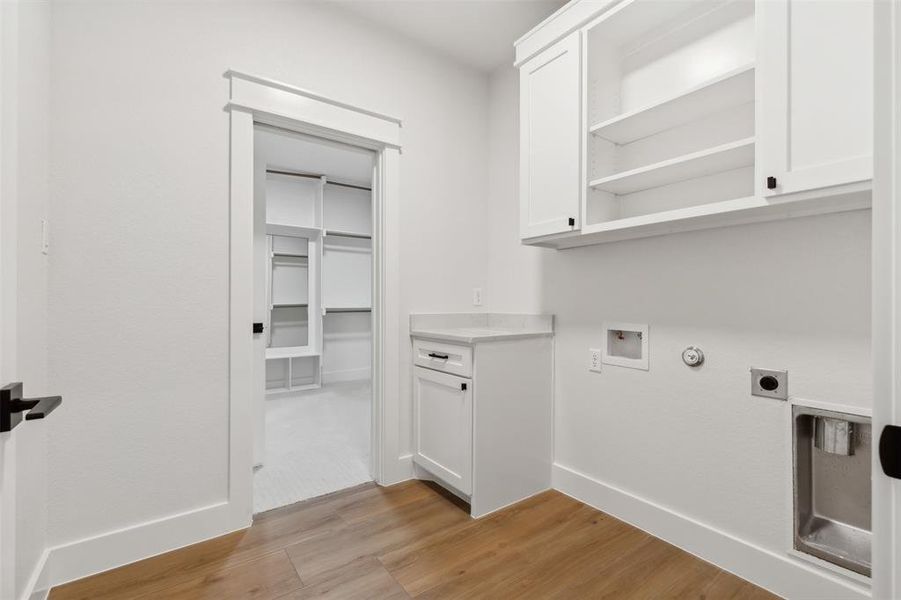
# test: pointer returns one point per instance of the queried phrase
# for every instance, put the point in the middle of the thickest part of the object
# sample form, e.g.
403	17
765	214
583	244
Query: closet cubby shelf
725	157
290	305
290	352
730	89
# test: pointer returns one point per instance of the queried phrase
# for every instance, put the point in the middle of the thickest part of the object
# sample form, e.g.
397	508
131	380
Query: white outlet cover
594	360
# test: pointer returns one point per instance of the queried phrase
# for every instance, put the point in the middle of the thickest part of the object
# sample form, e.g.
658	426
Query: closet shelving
319	262
668	130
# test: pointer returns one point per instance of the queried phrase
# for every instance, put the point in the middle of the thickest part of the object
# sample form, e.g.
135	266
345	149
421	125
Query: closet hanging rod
314	176
348	234
348	310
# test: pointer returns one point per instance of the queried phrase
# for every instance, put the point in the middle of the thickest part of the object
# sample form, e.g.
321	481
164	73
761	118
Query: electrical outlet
594	360
477	296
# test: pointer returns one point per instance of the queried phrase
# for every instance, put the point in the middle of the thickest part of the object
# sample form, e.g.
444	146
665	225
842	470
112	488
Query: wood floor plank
266	578
153	575
474	548
364	579
394	528
415	540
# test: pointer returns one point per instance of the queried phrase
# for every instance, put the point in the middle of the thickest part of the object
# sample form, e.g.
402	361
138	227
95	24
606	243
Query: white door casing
258	100
886	522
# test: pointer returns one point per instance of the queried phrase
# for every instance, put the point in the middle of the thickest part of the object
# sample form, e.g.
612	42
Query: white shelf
727	90
721	158
290	352
738	211
293	230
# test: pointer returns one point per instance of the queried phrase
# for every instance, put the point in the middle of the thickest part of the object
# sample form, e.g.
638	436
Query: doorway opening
313	295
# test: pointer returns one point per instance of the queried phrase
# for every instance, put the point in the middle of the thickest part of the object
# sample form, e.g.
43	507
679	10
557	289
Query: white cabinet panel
442	413
815	93
550	140
347	272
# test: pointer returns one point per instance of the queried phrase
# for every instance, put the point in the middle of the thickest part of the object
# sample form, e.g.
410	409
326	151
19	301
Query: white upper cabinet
649	117
550	134
815	94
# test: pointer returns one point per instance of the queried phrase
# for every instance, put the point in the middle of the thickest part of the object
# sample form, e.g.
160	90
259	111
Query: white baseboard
778	573
89	556
346	375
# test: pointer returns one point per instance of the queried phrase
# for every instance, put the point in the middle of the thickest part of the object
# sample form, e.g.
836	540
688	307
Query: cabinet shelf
728	90
290	352
725	157
290	305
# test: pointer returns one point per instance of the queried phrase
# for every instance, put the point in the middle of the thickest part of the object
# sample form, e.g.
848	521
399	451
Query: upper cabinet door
814	94
550	140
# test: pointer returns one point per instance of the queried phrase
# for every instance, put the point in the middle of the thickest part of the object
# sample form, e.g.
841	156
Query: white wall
791	294
138	283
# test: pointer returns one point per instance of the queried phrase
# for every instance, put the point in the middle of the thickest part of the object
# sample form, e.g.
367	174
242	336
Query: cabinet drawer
441	356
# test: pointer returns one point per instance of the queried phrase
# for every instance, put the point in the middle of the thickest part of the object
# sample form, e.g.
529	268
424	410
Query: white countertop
471	328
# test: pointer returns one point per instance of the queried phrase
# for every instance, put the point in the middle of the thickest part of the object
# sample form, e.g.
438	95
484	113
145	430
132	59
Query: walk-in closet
313	316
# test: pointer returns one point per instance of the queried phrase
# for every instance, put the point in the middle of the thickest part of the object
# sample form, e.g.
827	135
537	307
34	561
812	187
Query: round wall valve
692	356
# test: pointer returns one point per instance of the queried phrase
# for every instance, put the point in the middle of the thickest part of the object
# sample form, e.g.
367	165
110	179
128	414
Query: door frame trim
886	279
255	99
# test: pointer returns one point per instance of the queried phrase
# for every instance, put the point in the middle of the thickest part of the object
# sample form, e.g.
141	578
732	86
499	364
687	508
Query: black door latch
890	451
12	405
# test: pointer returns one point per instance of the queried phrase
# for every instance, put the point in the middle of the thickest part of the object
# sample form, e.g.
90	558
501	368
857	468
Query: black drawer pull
441	356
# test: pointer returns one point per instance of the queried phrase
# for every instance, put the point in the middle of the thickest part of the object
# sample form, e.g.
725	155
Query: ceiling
285	150
477	33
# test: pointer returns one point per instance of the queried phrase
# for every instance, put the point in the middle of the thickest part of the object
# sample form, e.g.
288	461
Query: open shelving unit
668	130
319	241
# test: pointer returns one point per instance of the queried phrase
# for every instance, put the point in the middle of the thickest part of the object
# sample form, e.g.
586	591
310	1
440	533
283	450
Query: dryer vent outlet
769	383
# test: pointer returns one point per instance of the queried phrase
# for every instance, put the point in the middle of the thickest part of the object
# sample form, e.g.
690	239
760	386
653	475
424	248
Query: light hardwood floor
414	540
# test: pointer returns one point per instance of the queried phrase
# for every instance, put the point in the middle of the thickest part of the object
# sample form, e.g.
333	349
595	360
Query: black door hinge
890	451
258	328
771	183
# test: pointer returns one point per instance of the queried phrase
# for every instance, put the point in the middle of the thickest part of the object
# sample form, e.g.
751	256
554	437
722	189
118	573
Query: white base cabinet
486	437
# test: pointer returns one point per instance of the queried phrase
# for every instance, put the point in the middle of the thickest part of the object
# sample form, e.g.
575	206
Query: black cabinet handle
572	221
771	183
258	328
441	356
463	387
12	405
